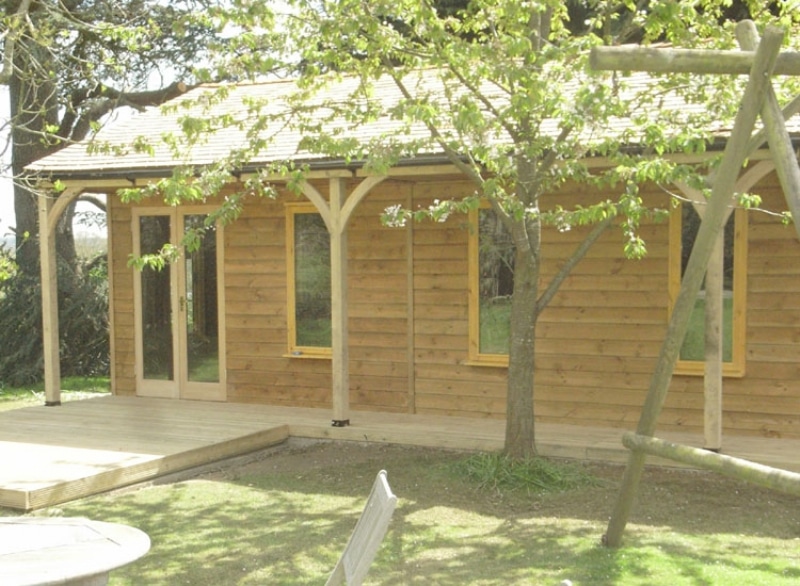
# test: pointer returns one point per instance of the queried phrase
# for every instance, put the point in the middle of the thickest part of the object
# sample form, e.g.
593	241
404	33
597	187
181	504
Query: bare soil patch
681	498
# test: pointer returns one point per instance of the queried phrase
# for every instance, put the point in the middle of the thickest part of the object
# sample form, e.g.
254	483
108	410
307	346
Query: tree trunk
520	438
520	441
33	106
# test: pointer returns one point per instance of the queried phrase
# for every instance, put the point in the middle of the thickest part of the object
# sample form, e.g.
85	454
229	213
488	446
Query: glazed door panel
179	346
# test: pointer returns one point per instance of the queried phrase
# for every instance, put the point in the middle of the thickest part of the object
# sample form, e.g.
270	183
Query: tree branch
571	262
486	102
76	128
95	201
10	41
453	156
141	100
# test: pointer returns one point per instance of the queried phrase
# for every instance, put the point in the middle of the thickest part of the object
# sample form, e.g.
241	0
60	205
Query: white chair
353	565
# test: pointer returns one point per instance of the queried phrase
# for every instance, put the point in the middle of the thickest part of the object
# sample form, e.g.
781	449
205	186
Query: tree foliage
68	65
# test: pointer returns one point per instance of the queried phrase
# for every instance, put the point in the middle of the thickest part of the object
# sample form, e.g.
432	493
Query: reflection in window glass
202	327
495	282
154	233
312	273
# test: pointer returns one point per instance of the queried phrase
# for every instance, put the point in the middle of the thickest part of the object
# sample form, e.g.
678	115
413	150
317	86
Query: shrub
83	323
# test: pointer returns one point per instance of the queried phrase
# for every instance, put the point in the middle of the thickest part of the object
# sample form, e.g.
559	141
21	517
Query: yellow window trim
296	351
475	358
736	367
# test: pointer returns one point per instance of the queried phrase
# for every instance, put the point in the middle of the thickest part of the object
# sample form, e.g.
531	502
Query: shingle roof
119	158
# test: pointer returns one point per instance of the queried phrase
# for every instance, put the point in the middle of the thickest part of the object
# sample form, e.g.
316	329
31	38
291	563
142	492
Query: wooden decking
51	455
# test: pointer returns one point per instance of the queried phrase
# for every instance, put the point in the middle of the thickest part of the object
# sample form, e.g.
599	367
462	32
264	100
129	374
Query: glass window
200	300
309	278
685	225
156	314
491	266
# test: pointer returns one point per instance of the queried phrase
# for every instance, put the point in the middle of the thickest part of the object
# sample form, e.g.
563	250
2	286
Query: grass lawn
72	388
284	517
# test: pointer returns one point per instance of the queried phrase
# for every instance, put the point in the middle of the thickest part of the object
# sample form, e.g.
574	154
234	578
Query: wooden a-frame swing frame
761	58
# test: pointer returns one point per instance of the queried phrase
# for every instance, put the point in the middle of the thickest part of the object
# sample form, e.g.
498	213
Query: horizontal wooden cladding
629	388
287	395
619	282
253	256
604	315
773	264
271	358
637	332
376	297
254	288
771	318
598	341
775	300
773	352
611	299
441	266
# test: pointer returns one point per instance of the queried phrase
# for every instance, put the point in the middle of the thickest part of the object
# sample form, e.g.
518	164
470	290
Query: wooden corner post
339	343
49	272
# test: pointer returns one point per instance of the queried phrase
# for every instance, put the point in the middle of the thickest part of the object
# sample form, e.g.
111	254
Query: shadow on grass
286	519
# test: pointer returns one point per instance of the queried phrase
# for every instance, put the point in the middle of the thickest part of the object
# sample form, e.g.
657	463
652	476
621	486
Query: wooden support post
722	191
714	320
773	478
714	342
780	144
339	343
336	215
49	272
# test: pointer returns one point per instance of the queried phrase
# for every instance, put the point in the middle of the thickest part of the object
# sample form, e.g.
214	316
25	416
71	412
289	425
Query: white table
52	550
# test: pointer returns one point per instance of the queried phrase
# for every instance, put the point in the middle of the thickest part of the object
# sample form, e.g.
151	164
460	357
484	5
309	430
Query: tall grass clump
495	471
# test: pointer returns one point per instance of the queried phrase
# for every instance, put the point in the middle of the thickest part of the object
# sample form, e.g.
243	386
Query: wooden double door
178	308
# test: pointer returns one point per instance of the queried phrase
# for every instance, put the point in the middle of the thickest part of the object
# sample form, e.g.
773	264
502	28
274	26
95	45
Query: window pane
156	304
694	344
202	328
495	282
312	270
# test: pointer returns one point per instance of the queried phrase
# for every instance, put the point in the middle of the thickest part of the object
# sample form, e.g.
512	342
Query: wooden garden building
310	300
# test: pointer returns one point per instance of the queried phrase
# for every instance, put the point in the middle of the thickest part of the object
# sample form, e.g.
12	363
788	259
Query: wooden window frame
296	350
475	357
736	366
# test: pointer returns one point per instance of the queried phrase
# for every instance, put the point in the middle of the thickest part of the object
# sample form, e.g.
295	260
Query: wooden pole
336	216
780	145
701	61
340	362
49	273
774	478
714	343
732	161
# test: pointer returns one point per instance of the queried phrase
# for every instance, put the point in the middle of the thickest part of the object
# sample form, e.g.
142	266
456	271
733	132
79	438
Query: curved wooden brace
754	174
319	202
359	193
61	202
692	194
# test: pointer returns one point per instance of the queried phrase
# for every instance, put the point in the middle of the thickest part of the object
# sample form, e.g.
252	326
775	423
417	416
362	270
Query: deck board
53	455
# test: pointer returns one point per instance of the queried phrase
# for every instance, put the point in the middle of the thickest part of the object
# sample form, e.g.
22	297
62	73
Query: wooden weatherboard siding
409	320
